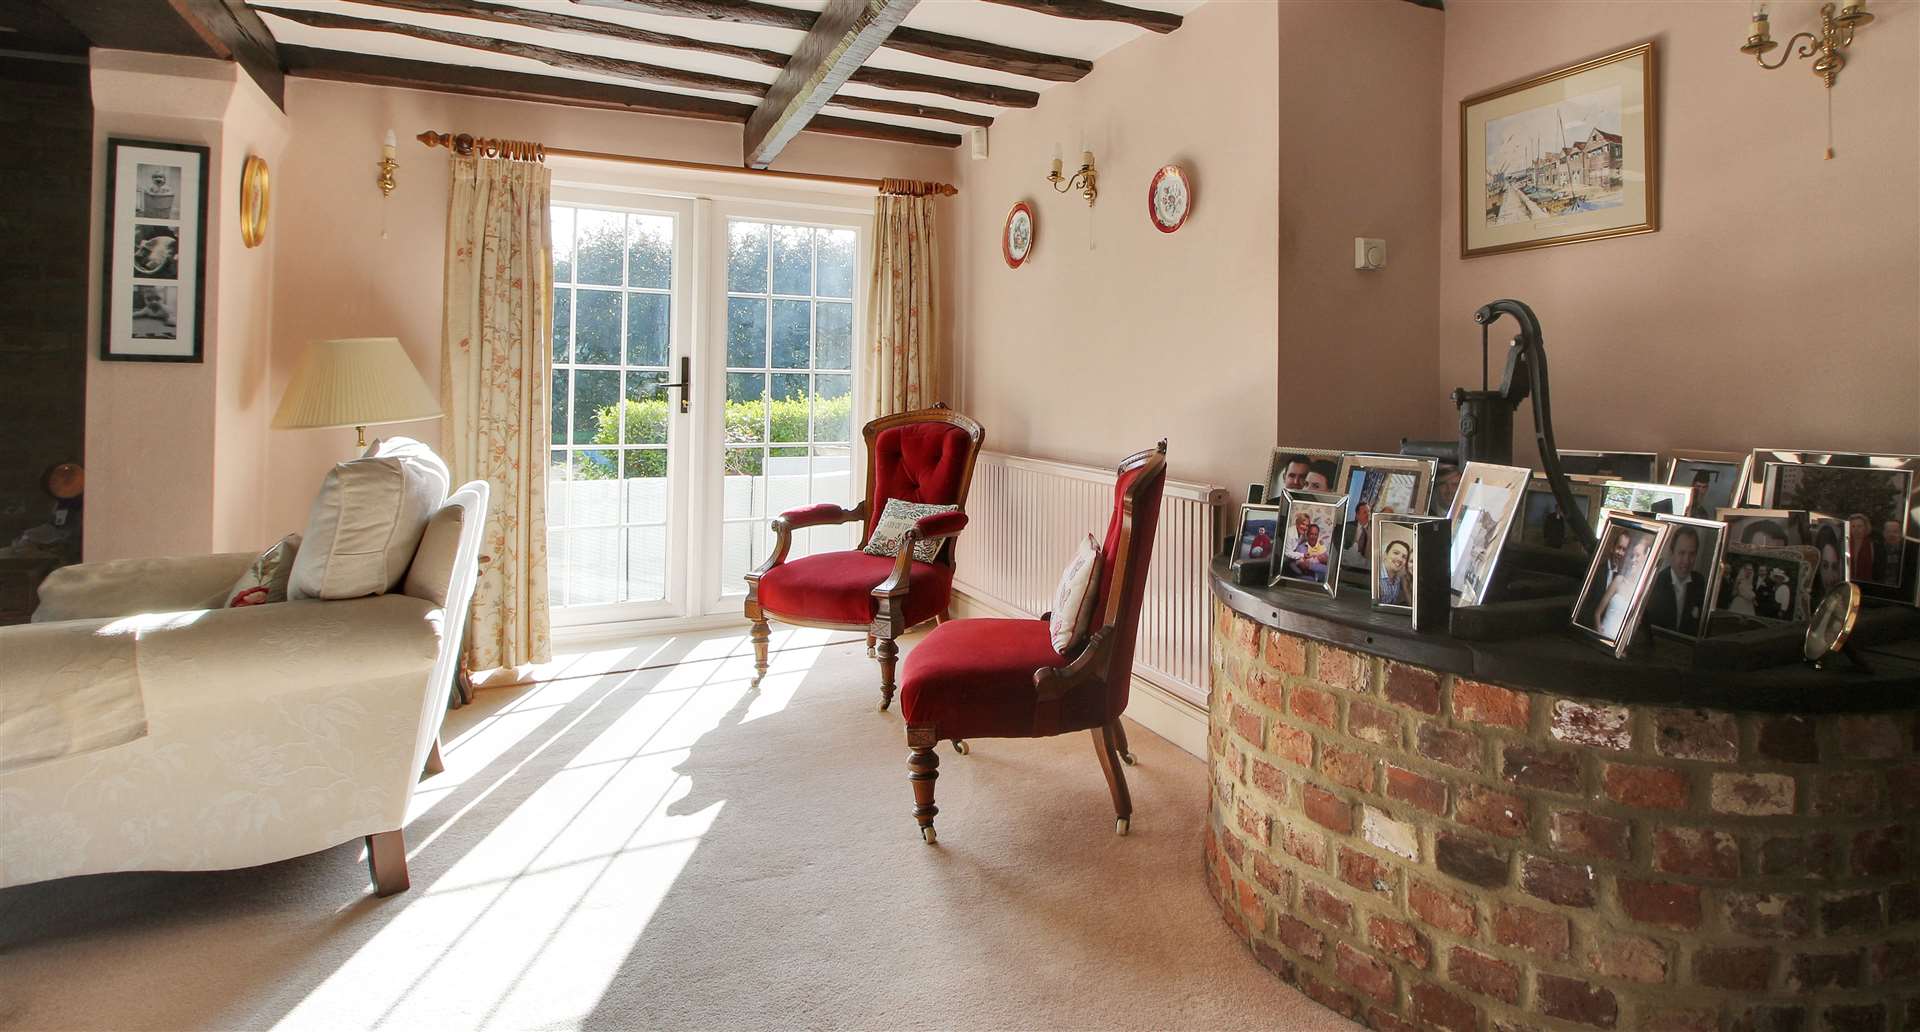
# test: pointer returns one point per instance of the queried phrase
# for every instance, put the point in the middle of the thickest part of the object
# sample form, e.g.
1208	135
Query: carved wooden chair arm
1050	683
826	514
943	526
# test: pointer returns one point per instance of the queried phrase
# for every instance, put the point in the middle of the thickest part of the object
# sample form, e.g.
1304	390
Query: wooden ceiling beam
465	80
1099	10
912	82
658	75
936	45
846	33
116	25
236	33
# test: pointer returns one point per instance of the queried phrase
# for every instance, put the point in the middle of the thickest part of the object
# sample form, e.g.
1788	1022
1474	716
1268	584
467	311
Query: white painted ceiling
973	19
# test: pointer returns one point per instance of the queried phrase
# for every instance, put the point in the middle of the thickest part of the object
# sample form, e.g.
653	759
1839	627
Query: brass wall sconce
1082	180
387	165
1835	35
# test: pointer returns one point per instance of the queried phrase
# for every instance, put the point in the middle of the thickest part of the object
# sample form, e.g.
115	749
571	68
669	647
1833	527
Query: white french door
703	383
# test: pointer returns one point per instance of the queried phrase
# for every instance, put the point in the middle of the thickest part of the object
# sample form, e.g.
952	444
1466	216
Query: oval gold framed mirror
254	190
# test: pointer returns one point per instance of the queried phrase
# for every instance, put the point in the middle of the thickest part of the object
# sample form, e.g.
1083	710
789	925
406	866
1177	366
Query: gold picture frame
1541	184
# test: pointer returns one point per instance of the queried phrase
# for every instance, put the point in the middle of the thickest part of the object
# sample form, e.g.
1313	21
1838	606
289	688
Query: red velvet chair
924	456
1002	678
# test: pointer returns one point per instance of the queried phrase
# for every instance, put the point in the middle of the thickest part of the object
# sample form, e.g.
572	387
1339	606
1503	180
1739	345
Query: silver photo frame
1310	547
1709	541
1321	467
1644	498
1714	480
1613	465
1482	514
1876	504
1613	598
1380	483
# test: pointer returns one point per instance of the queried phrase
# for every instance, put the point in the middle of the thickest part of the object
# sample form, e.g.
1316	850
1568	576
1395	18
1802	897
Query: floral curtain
904	359
495	365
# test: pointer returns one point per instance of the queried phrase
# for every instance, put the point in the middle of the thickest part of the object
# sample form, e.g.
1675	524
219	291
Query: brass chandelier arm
1787	52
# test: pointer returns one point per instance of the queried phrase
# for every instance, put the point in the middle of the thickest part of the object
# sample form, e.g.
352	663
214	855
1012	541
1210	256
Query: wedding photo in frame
1612	602
153	294
1310	533
1374	484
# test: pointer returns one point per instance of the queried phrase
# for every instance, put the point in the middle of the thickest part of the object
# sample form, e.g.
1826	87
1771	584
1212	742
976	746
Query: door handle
685	384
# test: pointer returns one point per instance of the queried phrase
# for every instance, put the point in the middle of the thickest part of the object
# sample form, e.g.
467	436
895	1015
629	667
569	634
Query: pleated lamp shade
356	382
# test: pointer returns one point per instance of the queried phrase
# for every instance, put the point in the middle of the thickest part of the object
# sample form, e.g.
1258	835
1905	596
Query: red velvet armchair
923	456
1002	678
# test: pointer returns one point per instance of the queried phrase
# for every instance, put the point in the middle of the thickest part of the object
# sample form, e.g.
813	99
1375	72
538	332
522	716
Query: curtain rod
527	150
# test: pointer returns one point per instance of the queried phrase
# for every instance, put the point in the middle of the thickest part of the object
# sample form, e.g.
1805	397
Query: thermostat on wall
1369	253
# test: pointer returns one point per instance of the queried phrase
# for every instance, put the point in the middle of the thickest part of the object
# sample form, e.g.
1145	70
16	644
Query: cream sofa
272	731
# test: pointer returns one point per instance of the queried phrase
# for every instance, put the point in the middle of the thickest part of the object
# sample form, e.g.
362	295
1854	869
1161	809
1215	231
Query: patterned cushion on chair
974	679
836	587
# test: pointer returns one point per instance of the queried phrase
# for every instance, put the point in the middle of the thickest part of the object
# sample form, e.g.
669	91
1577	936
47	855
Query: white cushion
894	522
1073	598
432	571
367	520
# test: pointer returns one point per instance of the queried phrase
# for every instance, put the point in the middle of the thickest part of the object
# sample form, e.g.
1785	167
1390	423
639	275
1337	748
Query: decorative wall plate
1016	240
1169	198
253	200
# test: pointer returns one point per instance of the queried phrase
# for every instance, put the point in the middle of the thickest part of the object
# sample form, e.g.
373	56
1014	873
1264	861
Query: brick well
1415	849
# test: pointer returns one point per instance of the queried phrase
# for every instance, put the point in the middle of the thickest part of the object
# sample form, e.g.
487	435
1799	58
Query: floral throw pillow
894	522
266	579
1073	598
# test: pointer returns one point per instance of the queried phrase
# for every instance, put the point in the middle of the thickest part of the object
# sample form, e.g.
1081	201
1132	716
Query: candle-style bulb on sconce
387	164
1082	180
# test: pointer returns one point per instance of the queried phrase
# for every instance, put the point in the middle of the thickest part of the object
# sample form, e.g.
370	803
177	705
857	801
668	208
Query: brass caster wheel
928	836
1127	758
1119	826
961	747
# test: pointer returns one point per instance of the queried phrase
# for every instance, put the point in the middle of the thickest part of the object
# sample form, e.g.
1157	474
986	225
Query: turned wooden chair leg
889	655
1103	744
387	862
435	764
761	635
923	769
1120	741
870	652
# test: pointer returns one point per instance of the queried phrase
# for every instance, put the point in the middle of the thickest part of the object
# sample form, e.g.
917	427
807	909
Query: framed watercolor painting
1561	158
1169	198
153	293
1016	238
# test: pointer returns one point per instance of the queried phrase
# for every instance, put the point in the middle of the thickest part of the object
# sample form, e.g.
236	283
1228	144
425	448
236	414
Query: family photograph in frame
1259	536
1766	583
1714	481
153	293
1686	577
1560	158
1541	523
1376	484
1908	590
1612	601
1310	547
1313	470
1483	512
1873	502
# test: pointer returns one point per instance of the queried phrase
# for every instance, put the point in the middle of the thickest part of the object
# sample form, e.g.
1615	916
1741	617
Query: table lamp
356	382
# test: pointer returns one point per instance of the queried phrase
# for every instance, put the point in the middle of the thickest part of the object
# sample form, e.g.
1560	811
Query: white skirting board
1152	707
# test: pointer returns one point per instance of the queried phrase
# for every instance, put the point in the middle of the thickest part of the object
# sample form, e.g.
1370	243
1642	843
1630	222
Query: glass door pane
610	514
789	387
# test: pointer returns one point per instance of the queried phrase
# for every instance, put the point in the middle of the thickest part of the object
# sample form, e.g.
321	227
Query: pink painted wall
1779	304
1356	83
337	277
174	450
1114	334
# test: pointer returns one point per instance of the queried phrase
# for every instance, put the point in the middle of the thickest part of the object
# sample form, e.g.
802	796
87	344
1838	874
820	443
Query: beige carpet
659	848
